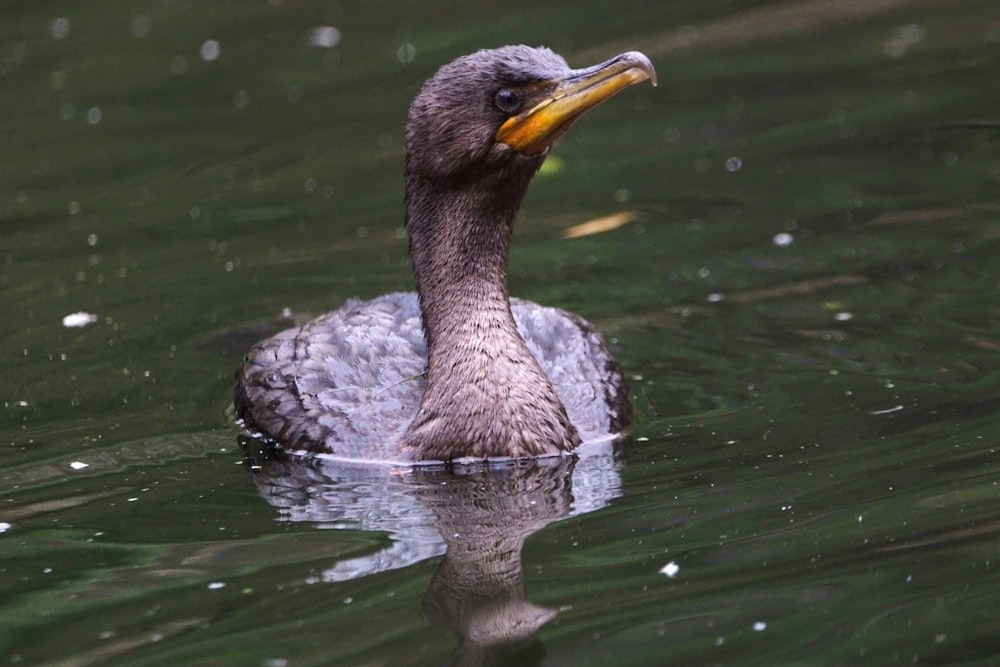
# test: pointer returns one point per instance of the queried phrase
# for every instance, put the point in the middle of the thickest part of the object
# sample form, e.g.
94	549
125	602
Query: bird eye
507	100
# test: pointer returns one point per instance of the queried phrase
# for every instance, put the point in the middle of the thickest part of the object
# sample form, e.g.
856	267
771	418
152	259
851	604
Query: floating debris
670	569
210	50
598	225
895	408
80	319
783	239
324	36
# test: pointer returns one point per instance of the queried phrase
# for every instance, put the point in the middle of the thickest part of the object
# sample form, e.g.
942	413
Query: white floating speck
715	297
140	26
210	50
406	53
80	319
733	164
759	626
4	526
895	408
94	115
79	465
324	36
783	239
843	316
670	569
216	585
59	28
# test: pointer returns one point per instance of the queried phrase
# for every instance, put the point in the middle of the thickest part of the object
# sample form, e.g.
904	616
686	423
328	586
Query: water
805	300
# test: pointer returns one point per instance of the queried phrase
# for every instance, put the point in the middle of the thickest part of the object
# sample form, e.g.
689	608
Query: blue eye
507	100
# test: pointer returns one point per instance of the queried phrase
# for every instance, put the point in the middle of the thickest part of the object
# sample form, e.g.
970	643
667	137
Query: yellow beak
534	130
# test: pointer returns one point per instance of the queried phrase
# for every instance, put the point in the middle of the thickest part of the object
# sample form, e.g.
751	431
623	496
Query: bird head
495	107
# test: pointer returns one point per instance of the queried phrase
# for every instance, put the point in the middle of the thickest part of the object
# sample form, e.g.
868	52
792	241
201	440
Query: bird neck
459	244
486	395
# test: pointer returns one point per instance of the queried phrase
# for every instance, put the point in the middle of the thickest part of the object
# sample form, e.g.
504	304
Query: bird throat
486	395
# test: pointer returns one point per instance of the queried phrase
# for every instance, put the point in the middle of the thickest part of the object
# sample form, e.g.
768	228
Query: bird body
458	369
355	377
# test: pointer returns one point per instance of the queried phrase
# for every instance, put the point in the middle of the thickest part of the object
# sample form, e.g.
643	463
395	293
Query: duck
458	370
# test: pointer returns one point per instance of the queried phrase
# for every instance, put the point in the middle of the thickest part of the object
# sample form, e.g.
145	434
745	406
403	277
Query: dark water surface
806	299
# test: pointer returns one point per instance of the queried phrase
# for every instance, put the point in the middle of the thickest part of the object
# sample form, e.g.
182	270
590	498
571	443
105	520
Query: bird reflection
477	518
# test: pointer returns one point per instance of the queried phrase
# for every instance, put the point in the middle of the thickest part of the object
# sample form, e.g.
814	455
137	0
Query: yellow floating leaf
598	225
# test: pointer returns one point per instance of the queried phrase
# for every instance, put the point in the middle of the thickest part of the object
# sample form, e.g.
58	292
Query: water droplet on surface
406	53
783	239
210	50
324	36
140	26
59	28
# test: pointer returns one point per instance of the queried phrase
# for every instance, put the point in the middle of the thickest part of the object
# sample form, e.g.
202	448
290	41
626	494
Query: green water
806	302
